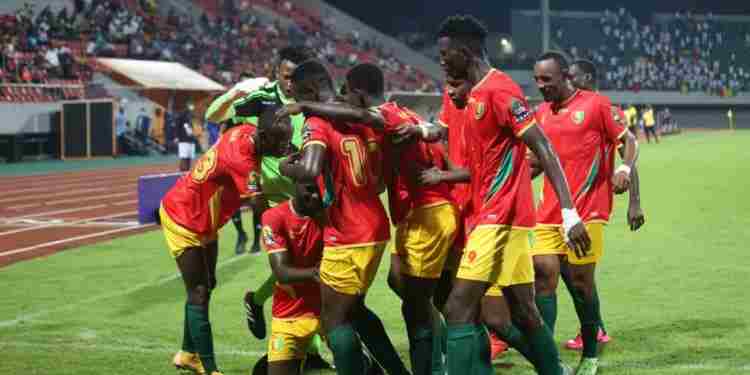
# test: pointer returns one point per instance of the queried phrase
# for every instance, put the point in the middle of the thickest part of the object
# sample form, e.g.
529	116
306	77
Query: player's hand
405	133
431	176
287	110
287	164
635	217
238	94
621	179
574	233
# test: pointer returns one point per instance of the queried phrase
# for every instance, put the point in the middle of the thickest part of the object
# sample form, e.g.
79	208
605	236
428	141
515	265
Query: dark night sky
424	15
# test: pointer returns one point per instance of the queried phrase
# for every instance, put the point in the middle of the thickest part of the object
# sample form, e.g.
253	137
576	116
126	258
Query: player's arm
452	174
629	154
341	112
285	273
574	230
425	131
536	167
636	217
220	108
308	166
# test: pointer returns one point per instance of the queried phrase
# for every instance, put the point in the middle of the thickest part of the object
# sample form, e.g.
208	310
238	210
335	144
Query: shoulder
274	216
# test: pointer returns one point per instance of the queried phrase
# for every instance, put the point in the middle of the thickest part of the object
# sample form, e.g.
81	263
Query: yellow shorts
424	239
494	291
291	337
178	237
497	254
548	240
351	270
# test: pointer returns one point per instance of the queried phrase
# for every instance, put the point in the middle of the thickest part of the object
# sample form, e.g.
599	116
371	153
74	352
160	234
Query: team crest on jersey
267	234
577	117
479	110
519	111
252	182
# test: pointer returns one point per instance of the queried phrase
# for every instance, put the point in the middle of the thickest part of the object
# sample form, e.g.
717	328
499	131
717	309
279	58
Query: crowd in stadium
37	49
682	54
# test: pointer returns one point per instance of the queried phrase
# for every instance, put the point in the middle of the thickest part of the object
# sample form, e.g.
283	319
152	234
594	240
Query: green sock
590	328
187	341
547	306
261	295
598	310
347	351
200	331
372	333
483	361
544	350
438	343
420	351
518	341
315	345
464	355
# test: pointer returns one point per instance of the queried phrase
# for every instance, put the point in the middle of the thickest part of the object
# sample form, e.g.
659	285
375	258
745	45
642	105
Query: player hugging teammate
464	216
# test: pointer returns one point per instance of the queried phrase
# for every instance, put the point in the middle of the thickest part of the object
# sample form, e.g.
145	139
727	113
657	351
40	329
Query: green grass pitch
674	295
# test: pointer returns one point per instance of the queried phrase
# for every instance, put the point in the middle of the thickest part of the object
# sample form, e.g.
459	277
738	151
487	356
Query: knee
199	295
460	308
547	274
527	316
583	286
496	322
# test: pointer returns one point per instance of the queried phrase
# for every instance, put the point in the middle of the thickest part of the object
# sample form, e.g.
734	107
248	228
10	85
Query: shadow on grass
174	290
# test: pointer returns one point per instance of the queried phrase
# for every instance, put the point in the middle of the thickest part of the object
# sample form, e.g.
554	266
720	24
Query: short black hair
586	66
309	69
368	78
295	54
558	57
466	29
267	117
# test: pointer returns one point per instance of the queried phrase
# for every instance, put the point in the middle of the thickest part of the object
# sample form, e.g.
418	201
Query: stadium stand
55	47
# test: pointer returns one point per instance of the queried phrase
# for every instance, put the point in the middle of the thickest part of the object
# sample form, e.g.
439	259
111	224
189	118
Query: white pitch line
125	348
88	183
60	194
30	316
60	201
56	212
14	231
123	203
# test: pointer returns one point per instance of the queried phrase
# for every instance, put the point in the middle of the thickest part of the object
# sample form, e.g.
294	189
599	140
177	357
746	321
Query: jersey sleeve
273	235
315	132
612	128
512	111
218	102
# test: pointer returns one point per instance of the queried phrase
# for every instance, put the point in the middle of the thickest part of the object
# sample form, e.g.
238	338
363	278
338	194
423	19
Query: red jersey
584	132
302	237
404	191
496	116
351	181
205	199
453	118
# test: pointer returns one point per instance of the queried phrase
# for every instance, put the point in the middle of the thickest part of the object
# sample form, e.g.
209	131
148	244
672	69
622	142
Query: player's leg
346	275
648	134
496	316
197	267
239	247
289	342
254	301
548	248
256	232
517	278
468	349
423	242
602	336
582	275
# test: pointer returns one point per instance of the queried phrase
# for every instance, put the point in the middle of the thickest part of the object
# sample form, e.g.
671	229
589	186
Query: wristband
623	168
570	219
